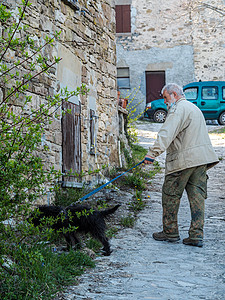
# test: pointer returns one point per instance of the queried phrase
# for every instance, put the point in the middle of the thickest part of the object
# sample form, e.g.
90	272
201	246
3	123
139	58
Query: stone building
168	41
88	138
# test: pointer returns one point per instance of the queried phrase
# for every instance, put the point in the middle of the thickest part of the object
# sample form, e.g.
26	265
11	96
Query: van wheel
159	116
221	119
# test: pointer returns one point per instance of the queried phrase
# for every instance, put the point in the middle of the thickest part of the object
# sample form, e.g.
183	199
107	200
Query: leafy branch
25	4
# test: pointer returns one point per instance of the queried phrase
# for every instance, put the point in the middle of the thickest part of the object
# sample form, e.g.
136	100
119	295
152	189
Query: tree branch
21	18
24	83
25	60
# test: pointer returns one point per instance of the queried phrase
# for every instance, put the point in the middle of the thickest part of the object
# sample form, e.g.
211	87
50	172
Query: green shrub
127	221
135	181
137	204
138	152
93	244
39	273
23	176
66	196
112	232
132	97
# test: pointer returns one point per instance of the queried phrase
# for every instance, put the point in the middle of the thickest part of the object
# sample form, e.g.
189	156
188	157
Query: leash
102	186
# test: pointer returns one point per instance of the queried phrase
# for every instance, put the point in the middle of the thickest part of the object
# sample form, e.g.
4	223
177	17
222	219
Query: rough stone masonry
87	48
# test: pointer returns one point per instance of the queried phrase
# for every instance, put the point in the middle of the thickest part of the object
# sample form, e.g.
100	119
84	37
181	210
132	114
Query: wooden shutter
123	20
71	143
126	18
119	23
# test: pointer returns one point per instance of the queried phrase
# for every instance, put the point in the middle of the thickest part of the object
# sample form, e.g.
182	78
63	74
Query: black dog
82	217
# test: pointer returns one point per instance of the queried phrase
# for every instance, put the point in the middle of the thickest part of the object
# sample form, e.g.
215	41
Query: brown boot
161	236
191	242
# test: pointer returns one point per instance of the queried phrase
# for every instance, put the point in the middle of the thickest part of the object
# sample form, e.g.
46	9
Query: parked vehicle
156	110
209	96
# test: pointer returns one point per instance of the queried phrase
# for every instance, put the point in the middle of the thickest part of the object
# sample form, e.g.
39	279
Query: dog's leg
72	240
68	239
75	240
103	239
106	246
98	232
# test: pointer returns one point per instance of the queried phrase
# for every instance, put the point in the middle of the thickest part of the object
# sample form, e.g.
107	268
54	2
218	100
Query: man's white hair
173	87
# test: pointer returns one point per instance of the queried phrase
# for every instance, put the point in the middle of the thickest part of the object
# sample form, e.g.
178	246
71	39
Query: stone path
142	268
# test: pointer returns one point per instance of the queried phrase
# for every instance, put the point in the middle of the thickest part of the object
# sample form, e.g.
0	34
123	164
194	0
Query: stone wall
183	38
208	22
88	51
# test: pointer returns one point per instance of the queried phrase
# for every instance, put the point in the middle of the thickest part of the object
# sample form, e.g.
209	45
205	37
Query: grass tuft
39	273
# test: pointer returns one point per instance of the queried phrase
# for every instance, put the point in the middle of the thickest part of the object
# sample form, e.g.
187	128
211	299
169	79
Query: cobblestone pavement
142	268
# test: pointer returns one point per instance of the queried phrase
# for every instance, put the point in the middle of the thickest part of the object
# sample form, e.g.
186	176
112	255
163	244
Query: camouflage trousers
194	181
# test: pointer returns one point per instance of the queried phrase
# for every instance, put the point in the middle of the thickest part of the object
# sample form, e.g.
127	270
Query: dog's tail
109	211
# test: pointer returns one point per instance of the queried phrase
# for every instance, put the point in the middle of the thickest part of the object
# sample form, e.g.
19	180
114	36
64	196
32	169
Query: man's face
168	98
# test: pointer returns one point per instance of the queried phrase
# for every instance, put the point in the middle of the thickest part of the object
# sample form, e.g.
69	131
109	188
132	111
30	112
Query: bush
66	196
127	221
40	273
23	176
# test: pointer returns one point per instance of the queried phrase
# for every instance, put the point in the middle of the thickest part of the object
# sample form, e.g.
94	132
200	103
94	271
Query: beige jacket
185	138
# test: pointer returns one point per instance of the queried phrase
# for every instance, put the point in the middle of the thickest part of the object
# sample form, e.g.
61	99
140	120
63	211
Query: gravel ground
142	268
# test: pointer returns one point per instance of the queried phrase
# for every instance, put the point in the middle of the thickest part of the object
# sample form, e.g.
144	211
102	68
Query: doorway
155	81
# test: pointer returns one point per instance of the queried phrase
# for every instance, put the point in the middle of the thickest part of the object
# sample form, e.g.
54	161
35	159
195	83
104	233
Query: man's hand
148	159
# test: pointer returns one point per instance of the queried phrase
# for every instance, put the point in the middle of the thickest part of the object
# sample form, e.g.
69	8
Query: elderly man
189	153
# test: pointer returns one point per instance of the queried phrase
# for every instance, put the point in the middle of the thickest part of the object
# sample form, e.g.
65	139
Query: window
223	91
123	78
191	93
123	20
210	93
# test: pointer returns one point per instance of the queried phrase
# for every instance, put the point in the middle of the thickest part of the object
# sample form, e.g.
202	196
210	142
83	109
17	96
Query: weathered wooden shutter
123	19
119	20
126	18
71	143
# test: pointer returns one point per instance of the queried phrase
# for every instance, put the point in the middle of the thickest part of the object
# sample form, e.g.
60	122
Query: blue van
209	96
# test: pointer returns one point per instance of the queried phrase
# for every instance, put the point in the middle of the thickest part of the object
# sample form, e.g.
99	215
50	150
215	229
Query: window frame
223	92
123	19
126	86
194	87
207	87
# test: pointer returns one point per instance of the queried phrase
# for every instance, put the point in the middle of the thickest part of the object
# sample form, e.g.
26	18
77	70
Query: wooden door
71	143
155	81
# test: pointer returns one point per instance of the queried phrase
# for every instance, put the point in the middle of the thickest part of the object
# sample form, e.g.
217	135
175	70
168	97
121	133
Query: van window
223	91
191	93
210	93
